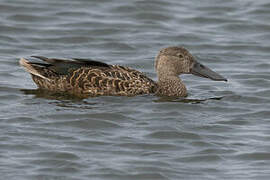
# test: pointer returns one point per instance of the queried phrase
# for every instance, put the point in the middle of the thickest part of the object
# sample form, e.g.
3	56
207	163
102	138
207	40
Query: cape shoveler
84	77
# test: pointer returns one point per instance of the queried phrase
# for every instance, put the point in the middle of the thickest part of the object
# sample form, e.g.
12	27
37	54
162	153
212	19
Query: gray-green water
145	137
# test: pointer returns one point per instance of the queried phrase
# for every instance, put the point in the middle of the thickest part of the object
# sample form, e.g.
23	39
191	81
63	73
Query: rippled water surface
221	131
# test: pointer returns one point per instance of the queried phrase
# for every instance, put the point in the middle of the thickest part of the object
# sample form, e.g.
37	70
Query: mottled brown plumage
83	77
89	78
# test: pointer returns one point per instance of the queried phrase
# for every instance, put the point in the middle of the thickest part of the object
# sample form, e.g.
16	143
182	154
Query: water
220	132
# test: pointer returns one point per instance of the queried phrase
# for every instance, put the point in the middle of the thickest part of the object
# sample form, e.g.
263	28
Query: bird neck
171	85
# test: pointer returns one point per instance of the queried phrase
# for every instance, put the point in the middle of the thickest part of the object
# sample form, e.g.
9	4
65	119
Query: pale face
177	58
180	61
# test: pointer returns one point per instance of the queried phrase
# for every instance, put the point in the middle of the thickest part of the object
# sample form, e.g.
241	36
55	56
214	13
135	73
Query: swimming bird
85	77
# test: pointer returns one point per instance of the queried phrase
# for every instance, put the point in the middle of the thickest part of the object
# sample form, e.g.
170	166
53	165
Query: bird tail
33	69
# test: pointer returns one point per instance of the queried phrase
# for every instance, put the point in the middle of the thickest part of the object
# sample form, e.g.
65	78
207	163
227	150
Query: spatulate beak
200	70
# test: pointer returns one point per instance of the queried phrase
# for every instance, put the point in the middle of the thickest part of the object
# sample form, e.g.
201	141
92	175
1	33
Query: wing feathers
83	76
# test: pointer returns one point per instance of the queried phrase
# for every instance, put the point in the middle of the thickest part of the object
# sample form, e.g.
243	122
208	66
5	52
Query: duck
87	77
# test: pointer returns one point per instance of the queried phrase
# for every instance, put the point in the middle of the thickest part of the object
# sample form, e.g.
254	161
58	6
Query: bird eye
180	55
